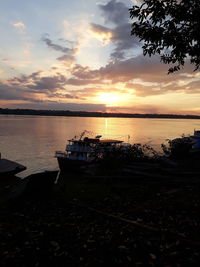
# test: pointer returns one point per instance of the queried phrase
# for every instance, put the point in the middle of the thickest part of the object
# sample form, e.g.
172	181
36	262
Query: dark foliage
128	154
178	148
170	28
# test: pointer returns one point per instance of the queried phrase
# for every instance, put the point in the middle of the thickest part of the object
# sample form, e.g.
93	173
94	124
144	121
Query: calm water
32	140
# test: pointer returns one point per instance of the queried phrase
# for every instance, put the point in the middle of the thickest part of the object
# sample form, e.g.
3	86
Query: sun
109	99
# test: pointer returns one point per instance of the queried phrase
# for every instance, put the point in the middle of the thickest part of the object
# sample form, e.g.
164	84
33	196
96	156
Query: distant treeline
91	114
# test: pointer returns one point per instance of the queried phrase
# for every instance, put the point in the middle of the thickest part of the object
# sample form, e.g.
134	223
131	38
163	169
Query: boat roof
195	136
106	141
97	140
8	166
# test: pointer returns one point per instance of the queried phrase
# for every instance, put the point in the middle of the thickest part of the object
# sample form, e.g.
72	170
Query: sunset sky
79	55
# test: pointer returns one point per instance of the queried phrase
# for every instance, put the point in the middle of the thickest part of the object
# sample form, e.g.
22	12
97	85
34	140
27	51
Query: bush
178	148
125	154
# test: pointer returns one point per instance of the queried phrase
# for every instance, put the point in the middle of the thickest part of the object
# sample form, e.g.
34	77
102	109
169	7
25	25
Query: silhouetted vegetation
170	28
69	113
117	156
178	148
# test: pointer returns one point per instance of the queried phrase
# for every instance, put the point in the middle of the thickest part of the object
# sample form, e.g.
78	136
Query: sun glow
110	99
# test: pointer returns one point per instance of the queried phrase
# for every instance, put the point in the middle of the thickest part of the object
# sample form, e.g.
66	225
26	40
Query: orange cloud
101	33
19	25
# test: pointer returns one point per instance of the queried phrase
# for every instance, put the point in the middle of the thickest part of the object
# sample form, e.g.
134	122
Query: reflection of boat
84	151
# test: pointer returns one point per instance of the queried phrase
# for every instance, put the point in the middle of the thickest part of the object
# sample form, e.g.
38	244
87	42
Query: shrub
116	156
178	148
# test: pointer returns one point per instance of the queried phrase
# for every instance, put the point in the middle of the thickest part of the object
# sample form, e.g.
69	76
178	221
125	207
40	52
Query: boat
83	151
9	168
186	147
196	139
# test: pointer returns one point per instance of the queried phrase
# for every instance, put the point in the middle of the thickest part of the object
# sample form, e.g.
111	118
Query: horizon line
54	112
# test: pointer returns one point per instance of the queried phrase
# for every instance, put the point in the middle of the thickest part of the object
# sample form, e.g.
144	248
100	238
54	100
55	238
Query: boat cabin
85	149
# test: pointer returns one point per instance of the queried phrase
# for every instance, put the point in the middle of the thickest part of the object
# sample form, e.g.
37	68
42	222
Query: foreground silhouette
169	28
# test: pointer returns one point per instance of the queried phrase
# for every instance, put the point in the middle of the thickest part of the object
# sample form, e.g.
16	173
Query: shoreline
67	113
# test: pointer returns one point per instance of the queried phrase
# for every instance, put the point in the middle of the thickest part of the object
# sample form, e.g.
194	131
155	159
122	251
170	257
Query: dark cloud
79	82
100	29
83	72
152	74
69	53
36	82
54	105
48	83
56	47
8	92
142	90
35	75
147	69
66	41
123	40
115	12
11	93
16	80
192	87
25	78
64	96
4	59
66	58
120	35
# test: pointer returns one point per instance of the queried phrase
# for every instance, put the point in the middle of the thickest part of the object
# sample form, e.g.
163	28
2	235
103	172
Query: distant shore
69	113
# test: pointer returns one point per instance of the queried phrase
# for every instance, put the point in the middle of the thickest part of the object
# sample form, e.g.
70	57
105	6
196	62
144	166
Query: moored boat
84	151
9	168
196	139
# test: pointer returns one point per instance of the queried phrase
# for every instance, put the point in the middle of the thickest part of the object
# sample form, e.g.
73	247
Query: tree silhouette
170	28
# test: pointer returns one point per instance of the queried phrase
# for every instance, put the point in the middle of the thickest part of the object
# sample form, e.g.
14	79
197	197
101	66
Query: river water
33	140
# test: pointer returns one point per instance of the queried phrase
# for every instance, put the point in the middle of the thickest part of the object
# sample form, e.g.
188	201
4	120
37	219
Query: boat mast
82	134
